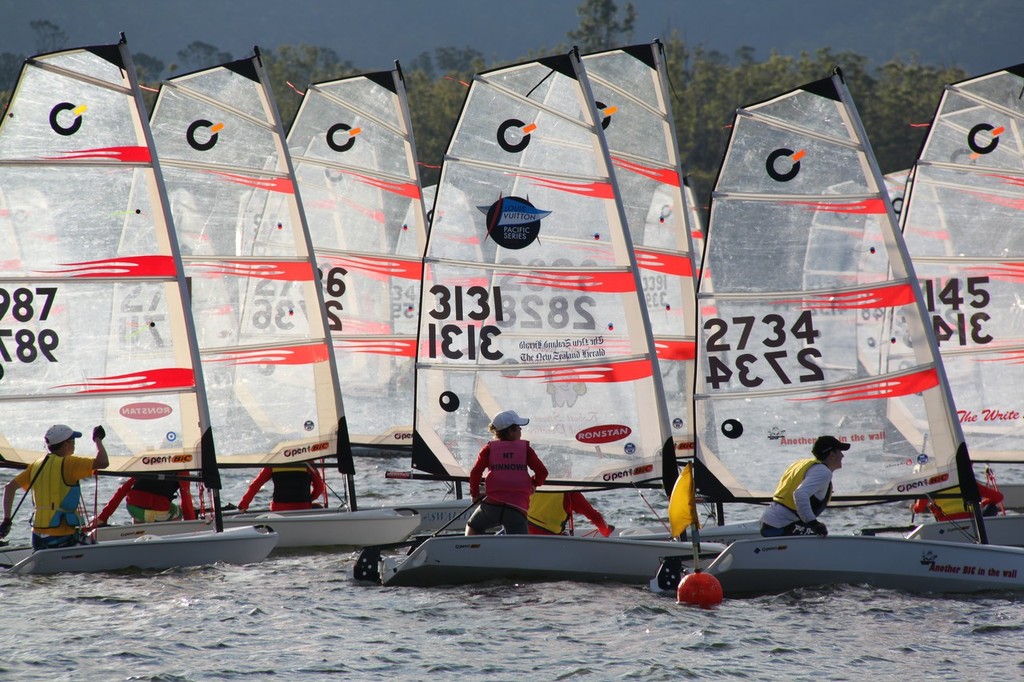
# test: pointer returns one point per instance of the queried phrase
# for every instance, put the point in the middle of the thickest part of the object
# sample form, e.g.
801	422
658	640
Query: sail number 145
963	321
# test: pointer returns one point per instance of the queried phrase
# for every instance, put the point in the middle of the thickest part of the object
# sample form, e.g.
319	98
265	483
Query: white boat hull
451	515
778	564
295	529
1000	530
722	535
11	555
453	560
236	546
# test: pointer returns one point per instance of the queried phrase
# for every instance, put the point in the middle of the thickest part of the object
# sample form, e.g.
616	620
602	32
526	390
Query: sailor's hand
98	433
5	528
818	528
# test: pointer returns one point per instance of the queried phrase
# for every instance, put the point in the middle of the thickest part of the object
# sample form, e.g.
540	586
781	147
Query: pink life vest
508	480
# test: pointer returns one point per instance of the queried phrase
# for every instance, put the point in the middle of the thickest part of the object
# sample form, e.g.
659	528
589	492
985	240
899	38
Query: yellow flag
682	505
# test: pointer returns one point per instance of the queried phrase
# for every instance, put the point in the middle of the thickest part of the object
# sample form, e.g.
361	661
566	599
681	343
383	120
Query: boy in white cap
54	481
508	485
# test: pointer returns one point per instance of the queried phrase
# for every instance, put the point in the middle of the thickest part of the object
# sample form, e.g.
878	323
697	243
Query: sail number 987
768	332
27	305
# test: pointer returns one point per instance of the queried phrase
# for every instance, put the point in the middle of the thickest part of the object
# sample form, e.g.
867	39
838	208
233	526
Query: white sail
531	293
355	165
631	92
263	340
959	224
696	220
92	325
811	316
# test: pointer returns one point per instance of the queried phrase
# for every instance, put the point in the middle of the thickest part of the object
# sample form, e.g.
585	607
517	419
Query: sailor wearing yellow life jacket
804	491
56	492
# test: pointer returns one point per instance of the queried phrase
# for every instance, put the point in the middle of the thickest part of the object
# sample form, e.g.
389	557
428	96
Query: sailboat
532	302
256	299
93	328
355	167
815	325
967	193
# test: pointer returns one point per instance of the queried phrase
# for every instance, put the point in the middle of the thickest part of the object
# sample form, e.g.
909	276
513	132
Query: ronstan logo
145	411
606	433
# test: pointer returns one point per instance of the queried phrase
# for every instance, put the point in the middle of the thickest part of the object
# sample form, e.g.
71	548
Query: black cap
826	443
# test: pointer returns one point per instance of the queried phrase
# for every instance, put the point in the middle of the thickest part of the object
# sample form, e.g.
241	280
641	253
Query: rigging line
540	82
653	510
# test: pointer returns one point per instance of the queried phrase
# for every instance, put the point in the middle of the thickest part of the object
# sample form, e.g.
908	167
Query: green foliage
599	28
47	36
198	55
292	67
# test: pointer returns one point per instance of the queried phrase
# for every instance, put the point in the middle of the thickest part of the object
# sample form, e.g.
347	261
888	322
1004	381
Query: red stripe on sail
680	266
282	185
866	207
675	350
604	282
882	297
395	347
599	190
405	189
167	379
280	270
630	370
665	176
130	266
1007	202
379	266
123	154
288	355
879	389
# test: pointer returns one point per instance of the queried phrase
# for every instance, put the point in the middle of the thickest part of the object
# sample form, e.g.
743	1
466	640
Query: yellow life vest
55	499
547	510
791	480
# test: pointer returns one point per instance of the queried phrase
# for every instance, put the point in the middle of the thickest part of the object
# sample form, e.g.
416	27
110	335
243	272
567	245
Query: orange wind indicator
456	80
299	92
217	127
527	129
79	110
608	111
799	155
355	131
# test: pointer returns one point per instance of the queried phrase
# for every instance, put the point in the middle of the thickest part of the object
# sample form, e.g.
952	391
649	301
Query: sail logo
350	137
606	433
976	146
514	135
305	449
212	129
513	222
145	411
606	113
76	120
771	164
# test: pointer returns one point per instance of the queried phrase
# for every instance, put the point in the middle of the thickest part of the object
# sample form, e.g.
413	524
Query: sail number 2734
764	339
26	306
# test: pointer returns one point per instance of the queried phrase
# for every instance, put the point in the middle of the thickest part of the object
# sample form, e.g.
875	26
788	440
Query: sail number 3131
770	332
462	309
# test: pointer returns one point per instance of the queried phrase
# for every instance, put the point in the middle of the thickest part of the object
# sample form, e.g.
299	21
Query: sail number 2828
461	310
766	336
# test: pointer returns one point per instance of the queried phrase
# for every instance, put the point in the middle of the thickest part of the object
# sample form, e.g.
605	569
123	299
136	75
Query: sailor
508	460
550	513
804	491
151	500
295	487
56	492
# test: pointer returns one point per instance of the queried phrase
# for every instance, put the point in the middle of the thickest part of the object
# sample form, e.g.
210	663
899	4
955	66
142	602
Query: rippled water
303	615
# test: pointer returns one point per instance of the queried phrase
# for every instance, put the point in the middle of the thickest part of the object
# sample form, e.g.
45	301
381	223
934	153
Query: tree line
896	100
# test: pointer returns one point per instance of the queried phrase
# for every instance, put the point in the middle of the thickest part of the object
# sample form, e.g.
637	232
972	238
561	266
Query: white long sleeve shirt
815	484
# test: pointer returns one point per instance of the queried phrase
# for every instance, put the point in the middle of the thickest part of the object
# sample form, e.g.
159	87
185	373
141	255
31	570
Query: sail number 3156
770	331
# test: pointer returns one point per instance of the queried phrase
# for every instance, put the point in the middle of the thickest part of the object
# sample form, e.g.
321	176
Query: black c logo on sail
337	127
55	124
511	147
769	166
605	120
448	401
972	139
190	136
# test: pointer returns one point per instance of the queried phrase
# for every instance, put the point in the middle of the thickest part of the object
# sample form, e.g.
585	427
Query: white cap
505	419
58	433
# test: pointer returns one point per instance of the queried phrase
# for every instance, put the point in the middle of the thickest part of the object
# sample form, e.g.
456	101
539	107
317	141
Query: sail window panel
1001	89
543	85
557	145
374	100
646	136
742	435
358	142
772	246
975	136
628	72
220	84
799	164
89	118
579	235
43	225
183	130
86	62
810	111
370	302
965	215
654	212
378	377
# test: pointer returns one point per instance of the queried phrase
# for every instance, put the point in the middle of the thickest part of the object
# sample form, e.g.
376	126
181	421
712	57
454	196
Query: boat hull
453	560
295	529
1000	530
778	564
236	546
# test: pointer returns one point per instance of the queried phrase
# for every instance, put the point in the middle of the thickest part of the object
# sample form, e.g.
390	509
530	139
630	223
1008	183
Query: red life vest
508	480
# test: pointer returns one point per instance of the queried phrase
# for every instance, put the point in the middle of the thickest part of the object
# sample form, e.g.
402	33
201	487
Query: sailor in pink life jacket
508	485
804	491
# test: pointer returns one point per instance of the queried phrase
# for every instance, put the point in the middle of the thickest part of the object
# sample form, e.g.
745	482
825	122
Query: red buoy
699	589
